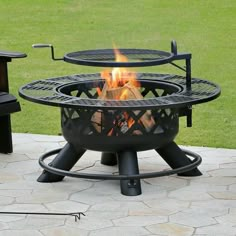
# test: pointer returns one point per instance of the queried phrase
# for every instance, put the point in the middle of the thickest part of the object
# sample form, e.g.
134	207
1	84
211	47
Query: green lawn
207	29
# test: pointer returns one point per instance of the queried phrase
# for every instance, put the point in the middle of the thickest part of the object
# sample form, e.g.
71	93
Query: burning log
121	84
124	122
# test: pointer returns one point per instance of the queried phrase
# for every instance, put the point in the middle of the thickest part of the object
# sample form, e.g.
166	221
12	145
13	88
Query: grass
207	29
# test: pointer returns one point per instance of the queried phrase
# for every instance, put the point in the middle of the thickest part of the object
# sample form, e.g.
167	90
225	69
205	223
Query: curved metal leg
64	160
108	159
176	158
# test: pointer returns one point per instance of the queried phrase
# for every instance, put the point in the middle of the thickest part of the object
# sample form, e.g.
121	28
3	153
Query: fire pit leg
64	160
175	158
128	165
108	159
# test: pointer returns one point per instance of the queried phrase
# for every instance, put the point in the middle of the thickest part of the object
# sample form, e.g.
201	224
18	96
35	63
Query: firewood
126	92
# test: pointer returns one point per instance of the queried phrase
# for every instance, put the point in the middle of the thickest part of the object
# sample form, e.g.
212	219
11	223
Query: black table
8	103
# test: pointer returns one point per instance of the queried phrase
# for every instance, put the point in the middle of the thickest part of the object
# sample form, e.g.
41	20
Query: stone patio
172	205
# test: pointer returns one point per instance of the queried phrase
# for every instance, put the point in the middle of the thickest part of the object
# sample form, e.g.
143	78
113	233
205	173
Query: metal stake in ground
75	214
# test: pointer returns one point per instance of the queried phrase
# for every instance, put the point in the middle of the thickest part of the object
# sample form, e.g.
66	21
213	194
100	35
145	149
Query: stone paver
218	229
66	206
20	233
118	231
171	229
32	222
192	219
170	205
64	231
140	220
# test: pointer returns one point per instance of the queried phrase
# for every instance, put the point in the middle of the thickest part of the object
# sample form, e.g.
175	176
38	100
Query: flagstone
206	211
189	203
227	218
64	231
23	167
118	206
189	194
19	138
217	229
168	182
32	223
215	180
232	210
72	185
46	196
220	203
8	158
29	147
89	223
171	229
67	206
192	219
87	197
3	226
6	200
228	165
11	218
11	232
232	187
152	192
228	172
14	192
25	185
140	220
167	205
118	231
206	187
8	176
224	195
108	215
24	208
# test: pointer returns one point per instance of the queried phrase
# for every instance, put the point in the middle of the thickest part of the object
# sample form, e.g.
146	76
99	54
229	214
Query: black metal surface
12	105
54	170
128	165
65	160
176	158
77	215
48	92
9	54
106	57
79	129
109	130
109	159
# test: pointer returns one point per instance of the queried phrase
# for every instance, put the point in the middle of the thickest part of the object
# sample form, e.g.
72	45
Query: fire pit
120	121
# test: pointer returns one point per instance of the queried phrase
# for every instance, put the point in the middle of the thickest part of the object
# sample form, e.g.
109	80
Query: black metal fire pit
91	123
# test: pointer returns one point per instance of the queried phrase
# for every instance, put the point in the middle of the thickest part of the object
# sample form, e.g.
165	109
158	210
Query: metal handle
174	47
42	45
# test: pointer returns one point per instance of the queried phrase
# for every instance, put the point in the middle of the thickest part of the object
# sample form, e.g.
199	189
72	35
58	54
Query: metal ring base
194	163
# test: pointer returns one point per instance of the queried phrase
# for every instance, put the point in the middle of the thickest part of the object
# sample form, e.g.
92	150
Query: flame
119	76
118	81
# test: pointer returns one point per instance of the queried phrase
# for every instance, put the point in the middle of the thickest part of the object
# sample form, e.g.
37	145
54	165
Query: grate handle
42	45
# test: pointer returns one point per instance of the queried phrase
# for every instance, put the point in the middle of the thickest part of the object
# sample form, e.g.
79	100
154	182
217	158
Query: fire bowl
119	128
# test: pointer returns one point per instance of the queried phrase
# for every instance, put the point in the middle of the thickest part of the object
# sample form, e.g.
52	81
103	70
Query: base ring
194	163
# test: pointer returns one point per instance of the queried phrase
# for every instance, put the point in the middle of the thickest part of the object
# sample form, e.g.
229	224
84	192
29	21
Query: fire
121	84
119	76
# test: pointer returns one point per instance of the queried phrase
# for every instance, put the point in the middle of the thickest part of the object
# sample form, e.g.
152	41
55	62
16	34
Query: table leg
5	135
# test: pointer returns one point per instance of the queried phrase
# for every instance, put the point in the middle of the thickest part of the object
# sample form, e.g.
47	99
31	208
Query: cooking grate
51	92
